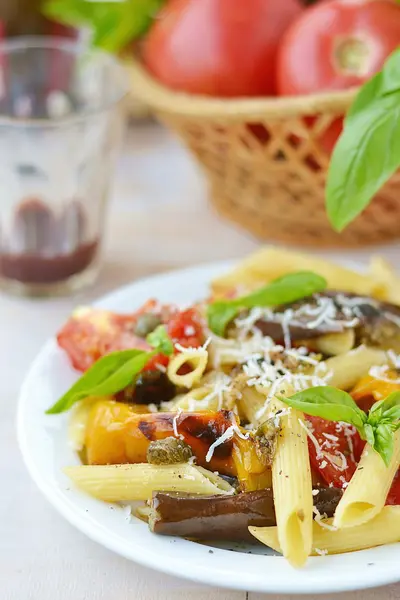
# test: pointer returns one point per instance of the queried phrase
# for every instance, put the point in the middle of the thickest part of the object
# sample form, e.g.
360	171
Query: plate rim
200	573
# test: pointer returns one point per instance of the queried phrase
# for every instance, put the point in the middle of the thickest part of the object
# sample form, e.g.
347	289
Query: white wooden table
158	220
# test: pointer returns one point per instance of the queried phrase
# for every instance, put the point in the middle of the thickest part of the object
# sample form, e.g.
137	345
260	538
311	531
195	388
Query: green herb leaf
369	92
335	405
114	24
219	315
108	375
328	403
368	151
391	74
160	340
284	290
69	12
365	157
384	442
369	434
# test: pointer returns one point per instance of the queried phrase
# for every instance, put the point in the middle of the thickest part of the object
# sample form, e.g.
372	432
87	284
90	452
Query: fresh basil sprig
114	23
377	428
367	153
286	289
113	372
160	339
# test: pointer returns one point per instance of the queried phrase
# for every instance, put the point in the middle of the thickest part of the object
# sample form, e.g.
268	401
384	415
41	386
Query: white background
158	220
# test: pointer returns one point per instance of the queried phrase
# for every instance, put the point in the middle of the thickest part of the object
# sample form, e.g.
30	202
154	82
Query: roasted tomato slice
92	333
185	328
335	451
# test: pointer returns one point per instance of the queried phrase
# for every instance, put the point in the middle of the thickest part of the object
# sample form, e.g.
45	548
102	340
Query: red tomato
330	465
219	47
394	494
336	45
186	328
90	334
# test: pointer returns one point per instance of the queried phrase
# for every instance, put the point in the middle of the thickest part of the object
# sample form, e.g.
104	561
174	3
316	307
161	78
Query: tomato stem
351	56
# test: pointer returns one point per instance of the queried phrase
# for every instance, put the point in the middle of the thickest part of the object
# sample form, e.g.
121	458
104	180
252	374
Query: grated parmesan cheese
320	520
227	435
320	552
175	425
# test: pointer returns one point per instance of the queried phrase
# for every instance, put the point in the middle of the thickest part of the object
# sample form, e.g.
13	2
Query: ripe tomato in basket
219	47
337	45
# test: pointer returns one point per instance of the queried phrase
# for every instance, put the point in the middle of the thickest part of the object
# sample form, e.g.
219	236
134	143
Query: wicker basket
265	164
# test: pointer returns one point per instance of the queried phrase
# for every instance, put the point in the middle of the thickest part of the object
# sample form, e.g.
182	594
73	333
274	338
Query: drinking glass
60	117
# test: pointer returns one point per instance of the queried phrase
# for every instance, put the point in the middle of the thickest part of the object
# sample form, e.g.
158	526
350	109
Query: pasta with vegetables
269	412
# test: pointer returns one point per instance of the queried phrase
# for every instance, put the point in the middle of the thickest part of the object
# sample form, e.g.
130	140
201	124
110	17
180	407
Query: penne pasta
346	369
195	359
366	493
382	271
333	344
383	529
251	401
268	263
123	483
292	486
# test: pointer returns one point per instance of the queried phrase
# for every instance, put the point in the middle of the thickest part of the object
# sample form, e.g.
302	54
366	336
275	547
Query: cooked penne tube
383	529
333	344
251	402
122	483
381	270
346	369
366	493
268	263
292	486
195	359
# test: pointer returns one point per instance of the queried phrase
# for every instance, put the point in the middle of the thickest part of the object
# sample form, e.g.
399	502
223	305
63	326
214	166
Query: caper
168	451
146	324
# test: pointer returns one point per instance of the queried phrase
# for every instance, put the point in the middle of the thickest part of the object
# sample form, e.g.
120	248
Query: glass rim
74	47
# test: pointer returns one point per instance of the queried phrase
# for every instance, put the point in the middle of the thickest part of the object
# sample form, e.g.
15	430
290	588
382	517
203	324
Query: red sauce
43	248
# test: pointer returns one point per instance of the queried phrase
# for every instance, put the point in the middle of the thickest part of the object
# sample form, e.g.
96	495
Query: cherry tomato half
335	441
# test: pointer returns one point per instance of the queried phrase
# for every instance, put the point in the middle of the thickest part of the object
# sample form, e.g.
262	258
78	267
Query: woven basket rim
147	89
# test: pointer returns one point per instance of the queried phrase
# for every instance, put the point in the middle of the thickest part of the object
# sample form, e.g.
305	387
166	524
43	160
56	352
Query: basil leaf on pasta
328	403
283	290
160	340
108	375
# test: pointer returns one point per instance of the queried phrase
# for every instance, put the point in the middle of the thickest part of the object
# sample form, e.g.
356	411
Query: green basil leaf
384	442
392	415
387	410
160	340
97	377
328	403
69	12
114	24
121	378
219	315
368	151
365	157
283	290
369	92
391	74
369	434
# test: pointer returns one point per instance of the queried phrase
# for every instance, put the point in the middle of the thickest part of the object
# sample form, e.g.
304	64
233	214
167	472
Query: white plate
43	441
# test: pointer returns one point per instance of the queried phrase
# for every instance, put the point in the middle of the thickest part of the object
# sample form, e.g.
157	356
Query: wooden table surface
158	220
